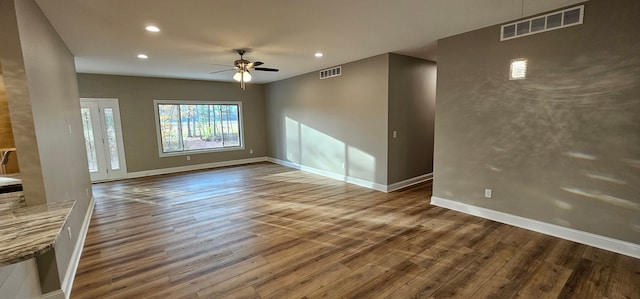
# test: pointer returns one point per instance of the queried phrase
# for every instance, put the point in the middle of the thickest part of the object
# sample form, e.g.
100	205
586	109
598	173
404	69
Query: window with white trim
196	126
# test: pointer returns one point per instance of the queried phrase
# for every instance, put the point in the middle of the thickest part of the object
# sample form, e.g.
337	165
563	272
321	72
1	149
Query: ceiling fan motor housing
241	64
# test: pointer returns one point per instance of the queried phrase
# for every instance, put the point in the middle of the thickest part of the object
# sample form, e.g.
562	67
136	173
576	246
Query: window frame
162	154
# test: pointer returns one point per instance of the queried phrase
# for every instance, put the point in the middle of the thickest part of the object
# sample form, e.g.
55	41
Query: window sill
204	151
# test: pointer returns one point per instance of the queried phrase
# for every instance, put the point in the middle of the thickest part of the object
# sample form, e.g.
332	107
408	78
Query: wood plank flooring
267	231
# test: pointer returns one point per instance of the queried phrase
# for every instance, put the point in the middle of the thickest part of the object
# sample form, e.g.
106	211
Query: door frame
115	105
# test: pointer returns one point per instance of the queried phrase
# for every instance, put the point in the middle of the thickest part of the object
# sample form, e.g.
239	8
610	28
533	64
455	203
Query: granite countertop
31	231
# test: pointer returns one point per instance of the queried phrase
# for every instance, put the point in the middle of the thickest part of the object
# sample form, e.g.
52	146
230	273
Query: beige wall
136	96
42	93
412	100
325	123
20	280
562	146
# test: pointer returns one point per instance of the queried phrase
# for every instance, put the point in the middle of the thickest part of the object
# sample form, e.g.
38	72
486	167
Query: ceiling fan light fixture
239	76
152	28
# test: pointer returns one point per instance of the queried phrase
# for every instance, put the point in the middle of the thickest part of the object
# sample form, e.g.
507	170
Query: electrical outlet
487	193
188	158
251	151
69	231
86	190
342	165
290	155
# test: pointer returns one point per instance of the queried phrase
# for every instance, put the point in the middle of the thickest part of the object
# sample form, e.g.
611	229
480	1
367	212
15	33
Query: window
196	126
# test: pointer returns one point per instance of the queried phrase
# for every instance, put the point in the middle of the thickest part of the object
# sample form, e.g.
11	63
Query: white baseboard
410	182
602	242
335	176
352	180
67	282
138	174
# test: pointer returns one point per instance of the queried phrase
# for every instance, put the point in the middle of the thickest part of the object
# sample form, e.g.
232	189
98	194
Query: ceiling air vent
332	72
555	20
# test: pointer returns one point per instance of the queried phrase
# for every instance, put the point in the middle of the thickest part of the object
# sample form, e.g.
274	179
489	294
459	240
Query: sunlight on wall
360	164
322	151
310	147
292	136
627	204
605	177
579	155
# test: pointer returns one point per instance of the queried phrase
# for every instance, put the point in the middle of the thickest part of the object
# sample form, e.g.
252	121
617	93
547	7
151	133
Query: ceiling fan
243	68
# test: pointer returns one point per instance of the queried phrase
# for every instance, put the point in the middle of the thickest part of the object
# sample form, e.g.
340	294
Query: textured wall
136	95
562	146
412	100
337	124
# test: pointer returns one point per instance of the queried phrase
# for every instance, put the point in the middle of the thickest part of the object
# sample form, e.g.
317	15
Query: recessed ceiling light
152	28
142	56
319	54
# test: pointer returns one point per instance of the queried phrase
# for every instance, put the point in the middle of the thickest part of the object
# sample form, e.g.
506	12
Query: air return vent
332	72
555	20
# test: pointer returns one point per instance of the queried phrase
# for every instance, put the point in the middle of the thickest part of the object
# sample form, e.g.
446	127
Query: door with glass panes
103	139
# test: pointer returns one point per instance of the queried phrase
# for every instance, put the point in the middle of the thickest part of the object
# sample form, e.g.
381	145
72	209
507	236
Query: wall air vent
332	72
555	20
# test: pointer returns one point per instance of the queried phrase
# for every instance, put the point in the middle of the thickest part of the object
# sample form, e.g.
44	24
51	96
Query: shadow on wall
561	146
312	148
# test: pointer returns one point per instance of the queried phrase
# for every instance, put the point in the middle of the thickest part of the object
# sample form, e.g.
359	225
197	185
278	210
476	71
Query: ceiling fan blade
220	64
220	71
254	64
266	69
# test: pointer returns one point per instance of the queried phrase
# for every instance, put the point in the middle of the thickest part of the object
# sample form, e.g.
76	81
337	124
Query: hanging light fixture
242	66
242	69
242	76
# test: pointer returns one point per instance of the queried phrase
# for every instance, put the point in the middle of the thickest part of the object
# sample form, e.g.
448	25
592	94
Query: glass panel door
89	139
112	140
103	139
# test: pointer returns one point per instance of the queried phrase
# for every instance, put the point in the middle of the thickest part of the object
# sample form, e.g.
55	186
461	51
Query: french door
103	139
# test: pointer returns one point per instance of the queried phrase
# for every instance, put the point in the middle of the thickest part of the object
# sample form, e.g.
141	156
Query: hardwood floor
267	231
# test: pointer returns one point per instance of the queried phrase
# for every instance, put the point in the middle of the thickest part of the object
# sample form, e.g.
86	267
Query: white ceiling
106	35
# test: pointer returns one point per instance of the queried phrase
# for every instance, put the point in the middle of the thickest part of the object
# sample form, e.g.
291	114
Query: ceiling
198	36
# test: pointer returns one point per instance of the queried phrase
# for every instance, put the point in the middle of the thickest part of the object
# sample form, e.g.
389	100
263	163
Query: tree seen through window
193	127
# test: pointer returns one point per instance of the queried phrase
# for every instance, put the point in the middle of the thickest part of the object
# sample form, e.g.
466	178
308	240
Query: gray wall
136	95
20	280
42	93
562	146
325	123
412	100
